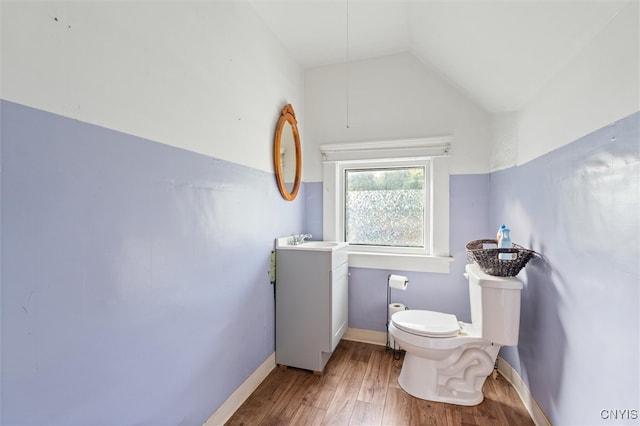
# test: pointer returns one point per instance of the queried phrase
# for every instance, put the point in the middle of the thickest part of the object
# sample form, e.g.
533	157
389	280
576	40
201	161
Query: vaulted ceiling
500	53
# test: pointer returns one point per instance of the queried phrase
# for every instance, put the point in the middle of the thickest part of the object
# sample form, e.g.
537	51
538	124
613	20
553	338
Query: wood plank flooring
360	387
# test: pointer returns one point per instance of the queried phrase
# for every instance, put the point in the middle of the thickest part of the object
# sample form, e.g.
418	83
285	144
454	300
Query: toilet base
457	379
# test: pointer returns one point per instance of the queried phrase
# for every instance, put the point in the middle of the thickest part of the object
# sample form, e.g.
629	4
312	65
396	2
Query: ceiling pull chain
347	66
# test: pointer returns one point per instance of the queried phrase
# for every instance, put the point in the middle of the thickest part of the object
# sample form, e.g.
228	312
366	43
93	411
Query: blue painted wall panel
134	275
313	209
579	207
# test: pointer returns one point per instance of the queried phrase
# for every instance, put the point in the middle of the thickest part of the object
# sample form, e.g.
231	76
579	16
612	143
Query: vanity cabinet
311	305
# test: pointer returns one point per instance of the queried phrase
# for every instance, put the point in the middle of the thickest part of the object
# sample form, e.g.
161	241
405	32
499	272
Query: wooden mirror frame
287	115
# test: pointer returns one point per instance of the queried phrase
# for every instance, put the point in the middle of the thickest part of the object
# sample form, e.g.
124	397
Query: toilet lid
426	323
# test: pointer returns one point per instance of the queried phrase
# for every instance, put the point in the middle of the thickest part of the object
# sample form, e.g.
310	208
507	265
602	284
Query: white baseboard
536	413
237	398
366	336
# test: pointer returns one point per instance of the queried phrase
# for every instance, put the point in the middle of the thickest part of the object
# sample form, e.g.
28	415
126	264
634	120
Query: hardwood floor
360	387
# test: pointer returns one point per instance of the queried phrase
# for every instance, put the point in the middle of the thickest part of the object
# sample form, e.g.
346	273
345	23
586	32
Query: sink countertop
285	244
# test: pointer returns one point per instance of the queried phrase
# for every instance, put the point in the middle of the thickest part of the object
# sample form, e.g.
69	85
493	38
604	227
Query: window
386	207
393	212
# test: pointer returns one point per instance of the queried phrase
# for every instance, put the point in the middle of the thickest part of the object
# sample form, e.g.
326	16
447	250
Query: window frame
435	151
387	164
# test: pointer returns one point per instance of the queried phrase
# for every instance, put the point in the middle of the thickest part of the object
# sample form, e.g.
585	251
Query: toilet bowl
448	360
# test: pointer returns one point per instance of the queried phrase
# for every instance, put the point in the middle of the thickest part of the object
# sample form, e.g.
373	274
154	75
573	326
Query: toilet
448	360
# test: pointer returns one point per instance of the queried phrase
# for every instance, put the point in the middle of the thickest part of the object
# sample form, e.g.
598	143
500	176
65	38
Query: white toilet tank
495	306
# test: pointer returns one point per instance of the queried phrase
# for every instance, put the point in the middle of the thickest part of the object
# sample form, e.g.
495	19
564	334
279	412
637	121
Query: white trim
240	395
422	147
366	336
400	262
336	157
440	207
511	376
427	199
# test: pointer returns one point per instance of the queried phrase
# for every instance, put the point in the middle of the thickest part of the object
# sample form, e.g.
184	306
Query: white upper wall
596	87
393	97
208	77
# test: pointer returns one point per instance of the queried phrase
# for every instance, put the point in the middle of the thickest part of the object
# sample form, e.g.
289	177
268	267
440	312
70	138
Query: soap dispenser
504	241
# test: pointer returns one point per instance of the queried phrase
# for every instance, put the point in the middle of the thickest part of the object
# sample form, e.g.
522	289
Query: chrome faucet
299	238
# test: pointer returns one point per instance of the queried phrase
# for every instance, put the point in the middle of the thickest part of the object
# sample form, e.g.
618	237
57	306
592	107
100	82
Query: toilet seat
426	323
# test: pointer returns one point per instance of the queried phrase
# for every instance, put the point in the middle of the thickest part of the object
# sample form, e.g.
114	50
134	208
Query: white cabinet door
339	303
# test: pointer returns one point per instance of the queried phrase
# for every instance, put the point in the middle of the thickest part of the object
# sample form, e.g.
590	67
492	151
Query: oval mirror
287	155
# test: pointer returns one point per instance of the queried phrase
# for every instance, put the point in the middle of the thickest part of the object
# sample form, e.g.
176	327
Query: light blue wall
135	285
579	207
313	209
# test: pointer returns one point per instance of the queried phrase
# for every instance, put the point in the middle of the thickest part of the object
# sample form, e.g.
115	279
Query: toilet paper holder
398	282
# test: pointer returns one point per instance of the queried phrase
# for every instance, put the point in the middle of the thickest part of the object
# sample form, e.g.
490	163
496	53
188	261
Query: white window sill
400	262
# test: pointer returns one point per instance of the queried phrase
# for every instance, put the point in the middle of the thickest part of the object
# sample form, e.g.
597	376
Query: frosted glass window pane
385	207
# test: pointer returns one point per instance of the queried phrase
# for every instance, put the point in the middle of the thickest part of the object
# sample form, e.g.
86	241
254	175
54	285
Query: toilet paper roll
398	281
395	307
